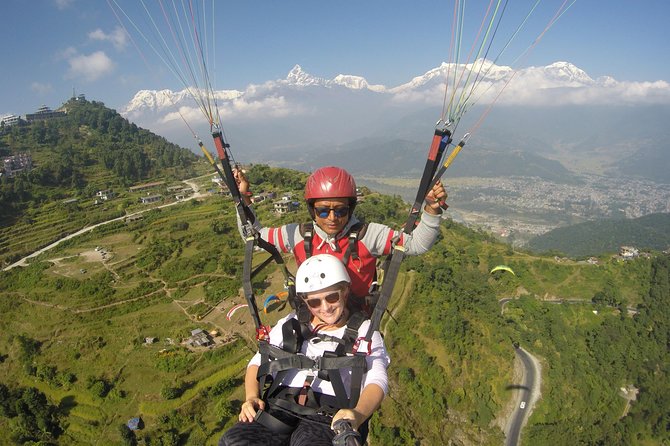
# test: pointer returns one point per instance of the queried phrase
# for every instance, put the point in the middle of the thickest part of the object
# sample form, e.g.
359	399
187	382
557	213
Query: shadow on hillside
67	404
516	387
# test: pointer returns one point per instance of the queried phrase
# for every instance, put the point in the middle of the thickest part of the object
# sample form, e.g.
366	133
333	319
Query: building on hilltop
135	423
17	163
151	199
105	195
286	206
199	338
628	252
9	120
44	113
133	218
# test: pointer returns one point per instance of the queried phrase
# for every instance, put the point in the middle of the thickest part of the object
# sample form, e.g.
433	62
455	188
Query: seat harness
277	362
356	232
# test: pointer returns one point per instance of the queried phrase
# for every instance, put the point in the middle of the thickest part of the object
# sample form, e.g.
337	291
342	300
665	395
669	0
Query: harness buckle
362	341
263	333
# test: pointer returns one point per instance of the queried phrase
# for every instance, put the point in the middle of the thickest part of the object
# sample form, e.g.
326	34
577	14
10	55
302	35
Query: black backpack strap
307	233
356	233
351	333
292	336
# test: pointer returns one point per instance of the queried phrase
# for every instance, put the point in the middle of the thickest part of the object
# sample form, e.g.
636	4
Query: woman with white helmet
316	377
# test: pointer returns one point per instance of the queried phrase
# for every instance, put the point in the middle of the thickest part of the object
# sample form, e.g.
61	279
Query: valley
519	208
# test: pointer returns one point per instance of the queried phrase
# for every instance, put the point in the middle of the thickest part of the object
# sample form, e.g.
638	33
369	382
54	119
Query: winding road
528	392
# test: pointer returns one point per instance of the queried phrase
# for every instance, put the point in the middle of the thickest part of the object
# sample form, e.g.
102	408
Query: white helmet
319	272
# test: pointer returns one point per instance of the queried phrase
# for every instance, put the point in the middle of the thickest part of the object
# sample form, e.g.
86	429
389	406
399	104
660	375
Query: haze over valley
557	148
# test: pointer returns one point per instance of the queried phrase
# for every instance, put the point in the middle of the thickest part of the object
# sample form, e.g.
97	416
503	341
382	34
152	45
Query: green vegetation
455	344
600	237
90	149
76	365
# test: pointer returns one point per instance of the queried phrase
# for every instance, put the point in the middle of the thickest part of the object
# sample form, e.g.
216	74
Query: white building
17	163
10	120
151	199
105	194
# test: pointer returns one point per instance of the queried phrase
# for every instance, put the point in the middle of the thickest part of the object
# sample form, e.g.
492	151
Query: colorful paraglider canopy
234	309
502	268
272	298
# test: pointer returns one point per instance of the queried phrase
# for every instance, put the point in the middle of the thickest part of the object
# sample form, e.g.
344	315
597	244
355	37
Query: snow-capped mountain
482	69
299	78
157	100
528	85
566	73
544	108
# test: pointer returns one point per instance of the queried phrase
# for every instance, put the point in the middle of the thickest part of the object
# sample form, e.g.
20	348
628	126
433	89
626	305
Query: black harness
277	362
356	232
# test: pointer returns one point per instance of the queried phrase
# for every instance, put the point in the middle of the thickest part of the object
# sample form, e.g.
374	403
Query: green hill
606	236
90	149
89	341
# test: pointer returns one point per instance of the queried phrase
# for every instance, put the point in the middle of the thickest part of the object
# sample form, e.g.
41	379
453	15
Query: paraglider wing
502	268
271	298
234	309
274	298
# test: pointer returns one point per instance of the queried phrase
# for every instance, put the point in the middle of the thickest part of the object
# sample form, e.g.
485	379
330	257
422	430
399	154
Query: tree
36	419
6	402
127	435
169	392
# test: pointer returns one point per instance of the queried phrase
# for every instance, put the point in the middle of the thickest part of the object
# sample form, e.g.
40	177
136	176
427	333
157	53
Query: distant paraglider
274	298
502	268
234	309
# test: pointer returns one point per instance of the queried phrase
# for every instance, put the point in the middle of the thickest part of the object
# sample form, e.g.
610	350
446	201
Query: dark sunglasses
331	298
324	212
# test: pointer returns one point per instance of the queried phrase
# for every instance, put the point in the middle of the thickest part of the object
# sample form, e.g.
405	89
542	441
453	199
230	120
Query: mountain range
557	112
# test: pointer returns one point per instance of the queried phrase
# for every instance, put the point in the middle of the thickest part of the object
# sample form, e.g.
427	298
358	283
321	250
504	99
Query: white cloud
63	4
189	114
273	106
430	96
117	37
89	67
601	93
537	90
67	53
41	88
239	108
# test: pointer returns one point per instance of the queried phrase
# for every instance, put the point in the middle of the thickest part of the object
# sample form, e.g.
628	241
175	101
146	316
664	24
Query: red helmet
330	182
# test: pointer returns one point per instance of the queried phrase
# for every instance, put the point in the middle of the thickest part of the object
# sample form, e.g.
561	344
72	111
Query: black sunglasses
331	298
324	212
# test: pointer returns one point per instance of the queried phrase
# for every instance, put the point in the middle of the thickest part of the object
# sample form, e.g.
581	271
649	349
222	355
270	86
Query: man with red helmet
330	193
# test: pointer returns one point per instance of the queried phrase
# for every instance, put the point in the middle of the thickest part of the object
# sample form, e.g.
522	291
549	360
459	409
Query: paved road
528	393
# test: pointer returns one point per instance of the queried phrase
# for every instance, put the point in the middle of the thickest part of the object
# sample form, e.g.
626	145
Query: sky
54	47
